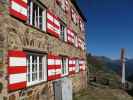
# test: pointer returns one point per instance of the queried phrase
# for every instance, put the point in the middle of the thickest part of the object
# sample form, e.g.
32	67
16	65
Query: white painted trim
44	64
44	71
17	61
51	61
25	1
50	17
70	62
44	20
15	6
70	68
17	78
50	26
51	72
57	62
58	71
56	22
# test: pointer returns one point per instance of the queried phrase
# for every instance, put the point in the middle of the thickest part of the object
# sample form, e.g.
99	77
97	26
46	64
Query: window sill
38	29
35	83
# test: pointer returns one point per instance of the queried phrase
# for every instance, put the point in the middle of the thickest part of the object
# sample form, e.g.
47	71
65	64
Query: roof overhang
79	10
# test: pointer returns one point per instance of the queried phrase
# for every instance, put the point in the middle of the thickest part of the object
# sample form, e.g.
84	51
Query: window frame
74	16
30	18
44	68
64	38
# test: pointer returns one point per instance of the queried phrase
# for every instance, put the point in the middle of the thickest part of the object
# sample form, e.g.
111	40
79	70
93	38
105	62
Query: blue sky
109	26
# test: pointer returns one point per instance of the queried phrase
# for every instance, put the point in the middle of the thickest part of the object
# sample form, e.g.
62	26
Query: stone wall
16	35
40	92
79	81
65	17
21	36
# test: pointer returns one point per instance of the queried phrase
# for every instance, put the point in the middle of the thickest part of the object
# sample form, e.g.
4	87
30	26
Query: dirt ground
98	93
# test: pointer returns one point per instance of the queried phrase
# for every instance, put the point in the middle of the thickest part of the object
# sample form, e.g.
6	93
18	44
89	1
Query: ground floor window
64	66
37	68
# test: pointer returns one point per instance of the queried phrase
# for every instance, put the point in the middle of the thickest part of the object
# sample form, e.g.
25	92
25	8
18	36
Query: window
81	24
36	15
76	41
77	69
74	16
37	70
63	34
64	66
63	4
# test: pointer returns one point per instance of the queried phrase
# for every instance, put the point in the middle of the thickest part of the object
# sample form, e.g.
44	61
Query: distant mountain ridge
116	66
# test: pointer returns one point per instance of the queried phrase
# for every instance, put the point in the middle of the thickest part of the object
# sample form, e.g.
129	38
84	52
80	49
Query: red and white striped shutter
82	65
54	67
17	70
18	9
70	36
57	67
72	65
51	67
53	24
57	26
79	42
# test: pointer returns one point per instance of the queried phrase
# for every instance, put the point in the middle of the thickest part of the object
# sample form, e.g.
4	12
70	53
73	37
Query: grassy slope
100	69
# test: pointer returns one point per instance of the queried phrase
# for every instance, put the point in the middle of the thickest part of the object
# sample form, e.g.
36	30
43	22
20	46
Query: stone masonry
16	35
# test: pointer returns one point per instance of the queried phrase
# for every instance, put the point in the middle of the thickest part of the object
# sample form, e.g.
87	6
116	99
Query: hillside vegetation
103	82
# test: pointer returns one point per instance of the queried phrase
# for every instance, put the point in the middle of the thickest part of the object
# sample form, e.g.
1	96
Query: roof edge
79	10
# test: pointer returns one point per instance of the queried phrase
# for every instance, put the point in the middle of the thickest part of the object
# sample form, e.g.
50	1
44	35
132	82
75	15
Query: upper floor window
74	16
36	15
37	70
64	4
76	40
82	27
63	33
